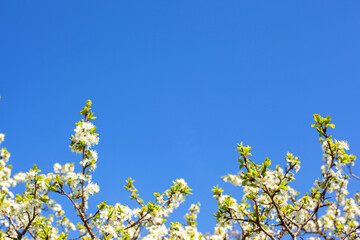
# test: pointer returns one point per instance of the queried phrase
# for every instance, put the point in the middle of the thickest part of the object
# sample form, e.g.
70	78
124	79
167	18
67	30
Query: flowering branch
269	208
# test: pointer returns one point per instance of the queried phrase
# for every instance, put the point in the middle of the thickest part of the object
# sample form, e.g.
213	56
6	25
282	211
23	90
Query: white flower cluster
292	162
344	145
270	209
25	211
84	136
121	221
233	179
5	171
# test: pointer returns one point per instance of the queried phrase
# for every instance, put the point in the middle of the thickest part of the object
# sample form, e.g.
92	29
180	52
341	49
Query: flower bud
88	103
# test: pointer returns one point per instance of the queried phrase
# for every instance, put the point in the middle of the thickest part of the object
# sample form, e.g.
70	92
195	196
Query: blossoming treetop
269	209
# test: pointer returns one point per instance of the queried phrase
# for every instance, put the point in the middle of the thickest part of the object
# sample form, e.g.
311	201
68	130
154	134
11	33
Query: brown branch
28	225
323	193
266	190
259	223
351	231
352	174
13	225
83	218
287	227
136	222
91	217
322	234
32	234
31	219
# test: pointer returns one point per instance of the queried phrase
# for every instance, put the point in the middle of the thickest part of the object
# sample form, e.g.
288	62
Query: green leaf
317	118
2	198
267	162
327	120
102	205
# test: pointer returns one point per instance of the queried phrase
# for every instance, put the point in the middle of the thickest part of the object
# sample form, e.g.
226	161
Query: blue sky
176	85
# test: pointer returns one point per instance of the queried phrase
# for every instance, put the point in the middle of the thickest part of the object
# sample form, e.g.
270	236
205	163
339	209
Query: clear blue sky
176	85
